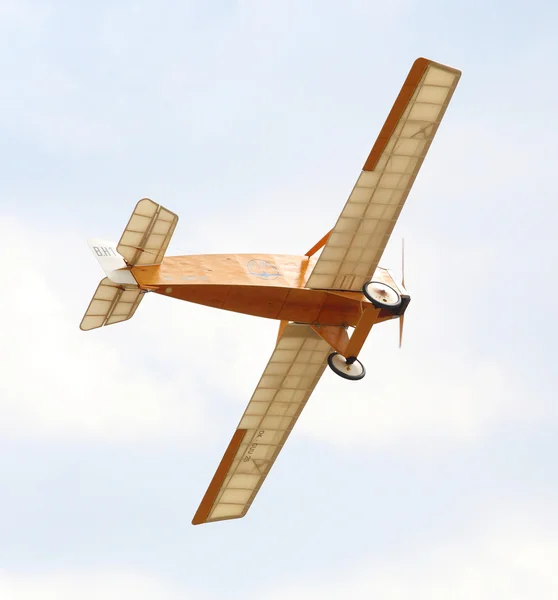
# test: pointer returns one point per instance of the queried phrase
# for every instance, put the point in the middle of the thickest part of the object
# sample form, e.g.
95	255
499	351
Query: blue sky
434	477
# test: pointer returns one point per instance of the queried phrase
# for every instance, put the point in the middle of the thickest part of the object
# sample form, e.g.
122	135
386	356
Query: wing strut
319	245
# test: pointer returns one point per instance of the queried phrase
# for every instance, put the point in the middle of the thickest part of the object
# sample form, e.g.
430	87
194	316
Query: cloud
109	585
17	11
182	371
511	564
58	381
440	386
404	398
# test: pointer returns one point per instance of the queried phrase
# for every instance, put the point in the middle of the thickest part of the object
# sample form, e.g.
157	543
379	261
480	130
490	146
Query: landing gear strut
348	368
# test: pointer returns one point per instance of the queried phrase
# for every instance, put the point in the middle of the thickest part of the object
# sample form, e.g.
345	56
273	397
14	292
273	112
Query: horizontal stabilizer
147	235
111	303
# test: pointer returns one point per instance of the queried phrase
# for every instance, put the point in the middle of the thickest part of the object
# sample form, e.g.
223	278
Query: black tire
391	306
335	357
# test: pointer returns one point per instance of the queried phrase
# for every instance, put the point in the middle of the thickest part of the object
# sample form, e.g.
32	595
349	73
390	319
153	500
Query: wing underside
290	376
356	243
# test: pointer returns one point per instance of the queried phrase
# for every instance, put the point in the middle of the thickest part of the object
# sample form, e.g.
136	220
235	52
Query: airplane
316	300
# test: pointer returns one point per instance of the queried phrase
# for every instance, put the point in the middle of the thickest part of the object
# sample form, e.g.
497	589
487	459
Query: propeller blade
402	317
403	261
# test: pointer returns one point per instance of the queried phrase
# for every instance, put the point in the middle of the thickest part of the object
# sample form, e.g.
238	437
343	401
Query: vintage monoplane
315	300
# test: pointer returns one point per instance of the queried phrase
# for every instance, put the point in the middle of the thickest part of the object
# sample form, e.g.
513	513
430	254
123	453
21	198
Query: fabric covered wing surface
111	304
357	242
147	235
291	375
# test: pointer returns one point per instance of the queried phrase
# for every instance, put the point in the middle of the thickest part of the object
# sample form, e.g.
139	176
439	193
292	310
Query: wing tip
210	495
421	63
410	84
200	521
407	90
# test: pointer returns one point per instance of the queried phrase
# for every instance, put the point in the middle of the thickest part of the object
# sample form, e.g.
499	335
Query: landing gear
348	368
382	295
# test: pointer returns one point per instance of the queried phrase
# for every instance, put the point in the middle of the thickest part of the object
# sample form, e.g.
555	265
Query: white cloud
17	11
515	562
435	387
511	564
163	373
108	585
407	397
58	380
180	370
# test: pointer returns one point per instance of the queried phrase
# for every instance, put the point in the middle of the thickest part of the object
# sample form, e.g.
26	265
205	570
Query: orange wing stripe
211	495
413	79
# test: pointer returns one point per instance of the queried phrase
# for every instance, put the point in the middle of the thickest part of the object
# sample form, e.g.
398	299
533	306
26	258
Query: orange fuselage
263	285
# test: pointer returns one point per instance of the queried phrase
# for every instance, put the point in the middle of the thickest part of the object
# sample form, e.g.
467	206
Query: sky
432	478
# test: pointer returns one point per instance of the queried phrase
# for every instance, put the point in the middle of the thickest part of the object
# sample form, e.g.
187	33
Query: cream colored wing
357	242
291	375
147	235
111	303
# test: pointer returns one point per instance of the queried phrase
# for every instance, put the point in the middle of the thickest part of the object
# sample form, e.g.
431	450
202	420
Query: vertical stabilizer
112	263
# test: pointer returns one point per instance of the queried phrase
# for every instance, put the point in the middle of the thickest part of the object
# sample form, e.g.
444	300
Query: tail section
111	303
147	235
144	242
112	263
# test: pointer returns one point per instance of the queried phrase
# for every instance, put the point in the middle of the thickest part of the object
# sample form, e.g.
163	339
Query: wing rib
289	379
354	248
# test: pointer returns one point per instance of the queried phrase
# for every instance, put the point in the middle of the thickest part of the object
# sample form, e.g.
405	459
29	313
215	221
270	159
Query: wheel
348	368
381	295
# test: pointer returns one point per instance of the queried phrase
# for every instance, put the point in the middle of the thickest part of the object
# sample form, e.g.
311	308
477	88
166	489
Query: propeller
403	261
402	317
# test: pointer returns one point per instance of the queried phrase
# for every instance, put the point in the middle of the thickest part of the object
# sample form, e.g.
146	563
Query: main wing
291	375
356	243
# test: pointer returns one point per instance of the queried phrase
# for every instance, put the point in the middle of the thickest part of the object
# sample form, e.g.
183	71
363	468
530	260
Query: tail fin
144	242
111	261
